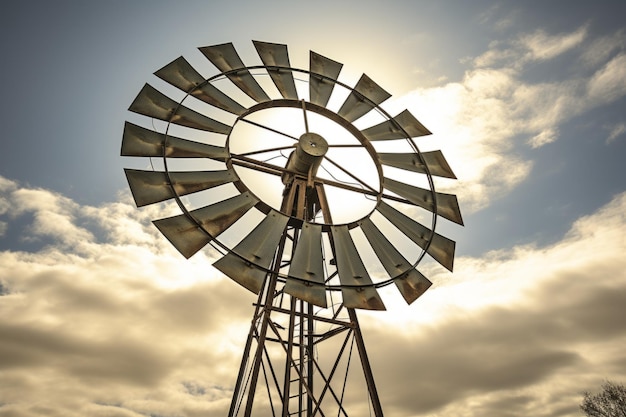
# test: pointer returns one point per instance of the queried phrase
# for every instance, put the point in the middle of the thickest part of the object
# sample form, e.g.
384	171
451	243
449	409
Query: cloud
530	47
541	46
520	332
617	131
107	313
120	324
481	121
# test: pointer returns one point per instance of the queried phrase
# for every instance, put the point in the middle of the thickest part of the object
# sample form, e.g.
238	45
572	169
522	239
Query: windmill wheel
266	171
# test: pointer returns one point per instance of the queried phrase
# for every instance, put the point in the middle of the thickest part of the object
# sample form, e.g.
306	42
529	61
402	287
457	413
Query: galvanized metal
447	204
307	265
439	247
353	274
355	106
276	58
308	155
287	247
139	141
189	233
148	187
393	128
324	71
410	282
152	103
181	74
226	59
256	249
434	163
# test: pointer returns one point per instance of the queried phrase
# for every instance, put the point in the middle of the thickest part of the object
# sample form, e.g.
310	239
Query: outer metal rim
262	206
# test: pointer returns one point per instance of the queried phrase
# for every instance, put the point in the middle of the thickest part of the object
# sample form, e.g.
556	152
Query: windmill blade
150	187
190	233
181	74
152	103
441	248
434	163
447	204
139	141
307	264
258	248
320	89
355	106
389	129
410	282
352	272
276	55
226	59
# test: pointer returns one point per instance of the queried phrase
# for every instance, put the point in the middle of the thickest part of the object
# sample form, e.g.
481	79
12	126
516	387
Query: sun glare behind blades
344	151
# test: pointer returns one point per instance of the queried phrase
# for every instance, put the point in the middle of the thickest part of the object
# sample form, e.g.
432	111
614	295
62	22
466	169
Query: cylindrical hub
308	155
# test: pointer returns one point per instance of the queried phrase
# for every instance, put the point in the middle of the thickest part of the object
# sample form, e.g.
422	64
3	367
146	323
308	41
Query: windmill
314	196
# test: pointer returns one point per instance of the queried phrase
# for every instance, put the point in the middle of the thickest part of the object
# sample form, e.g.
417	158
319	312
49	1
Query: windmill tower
314	196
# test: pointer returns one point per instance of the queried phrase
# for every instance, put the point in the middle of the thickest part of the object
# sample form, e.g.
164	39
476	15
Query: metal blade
410	282
352	273
150	187
139	141
181	74
185	233
355	106
320	89
307	264
276	55
412	285
434	161
441	248
389	129
258	248
152	103
225	58
447	204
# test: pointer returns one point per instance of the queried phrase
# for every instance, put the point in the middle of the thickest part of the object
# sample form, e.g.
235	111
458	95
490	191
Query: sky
100	316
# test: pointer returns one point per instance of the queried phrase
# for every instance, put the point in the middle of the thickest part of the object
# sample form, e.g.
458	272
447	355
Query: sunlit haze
100	315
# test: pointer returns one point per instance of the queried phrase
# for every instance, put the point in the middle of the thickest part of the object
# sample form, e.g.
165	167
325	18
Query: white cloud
529	47
122	325
479	121
98	322
543	138
609	83
519	332
617	131
542	46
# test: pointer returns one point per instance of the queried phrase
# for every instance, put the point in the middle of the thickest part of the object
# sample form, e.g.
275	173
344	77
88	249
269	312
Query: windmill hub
309	154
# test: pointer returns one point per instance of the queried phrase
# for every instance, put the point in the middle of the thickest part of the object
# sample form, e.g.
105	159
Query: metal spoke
268	128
